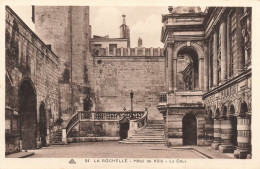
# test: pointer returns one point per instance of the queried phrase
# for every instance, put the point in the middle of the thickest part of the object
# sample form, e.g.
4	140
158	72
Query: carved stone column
243	137
228	48
223	29
215	58
217	134
170	66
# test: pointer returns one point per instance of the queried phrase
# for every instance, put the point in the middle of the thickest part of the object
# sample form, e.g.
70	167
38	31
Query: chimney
123	19
124	29
140	42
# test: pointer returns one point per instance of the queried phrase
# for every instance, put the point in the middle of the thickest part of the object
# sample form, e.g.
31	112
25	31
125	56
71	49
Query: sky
144	22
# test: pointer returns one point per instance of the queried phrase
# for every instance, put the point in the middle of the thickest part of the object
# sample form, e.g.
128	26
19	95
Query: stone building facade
32	91
122	69
66	29
200	81
217	103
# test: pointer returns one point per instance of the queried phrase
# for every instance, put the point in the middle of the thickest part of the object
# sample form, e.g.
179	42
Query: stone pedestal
243	137
217	135
170	67
226	136
64	136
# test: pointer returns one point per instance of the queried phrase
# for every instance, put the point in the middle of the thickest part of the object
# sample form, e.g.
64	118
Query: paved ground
113	150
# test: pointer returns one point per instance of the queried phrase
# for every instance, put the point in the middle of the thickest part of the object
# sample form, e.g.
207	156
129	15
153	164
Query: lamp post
131	96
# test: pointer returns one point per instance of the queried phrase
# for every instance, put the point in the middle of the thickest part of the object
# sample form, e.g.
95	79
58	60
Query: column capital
169	44
223	18
214	29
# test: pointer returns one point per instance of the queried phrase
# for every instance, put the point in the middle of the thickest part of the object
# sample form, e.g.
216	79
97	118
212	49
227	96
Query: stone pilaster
223	29
170	66
206	69
201	73
174	74
217	134
226	136
215	58
243	137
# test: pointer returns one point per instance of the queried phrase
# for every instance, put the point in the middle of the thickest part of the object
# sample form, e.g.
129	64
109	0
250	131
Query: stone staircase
153	133
57	137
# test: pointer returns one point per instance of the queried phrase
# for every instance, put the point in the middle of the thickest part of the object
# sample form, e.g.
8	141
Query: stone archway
28	112
234	125
43	125
187	69
193	72
189	129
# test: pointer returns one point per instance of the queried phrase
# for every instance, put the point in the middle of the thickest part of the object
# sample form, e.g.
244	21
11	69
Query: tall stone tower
125	31
66	29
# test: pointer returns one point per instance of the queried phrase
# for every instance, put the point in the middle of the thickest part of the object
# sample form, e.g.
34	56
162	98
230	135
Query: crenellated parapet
97	51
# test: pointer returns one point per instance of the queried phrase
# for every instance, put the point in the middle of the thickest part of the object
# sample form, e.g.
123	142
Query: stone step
147	136
135	142
151	133
155	122
161	143
146	140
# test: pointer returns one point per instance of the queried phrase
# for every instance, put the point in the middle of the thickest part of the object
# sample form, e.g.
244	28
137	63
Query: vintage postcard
145	84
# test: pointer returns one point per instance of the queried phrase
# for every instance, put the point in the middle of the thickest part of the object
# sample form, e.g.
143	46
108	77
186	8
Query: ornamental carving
108	80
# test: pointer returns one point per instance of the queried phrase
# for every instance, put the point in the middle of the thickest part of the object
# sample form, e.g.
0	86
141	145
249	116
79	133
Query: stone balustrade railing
96	51
138	124
99	116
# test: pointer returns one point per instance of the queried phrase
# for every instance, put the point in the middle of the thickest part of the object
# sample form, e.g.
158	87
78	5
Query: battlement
101	52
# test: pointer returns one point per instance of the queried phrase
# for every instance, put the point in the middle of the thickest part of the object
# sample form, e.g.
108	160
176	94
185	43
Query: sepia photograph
128	84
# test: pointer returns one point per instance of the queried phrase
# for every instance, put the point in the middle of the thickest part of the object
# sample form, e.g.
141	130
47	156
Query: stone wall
28	58
67	30
95	129
115	77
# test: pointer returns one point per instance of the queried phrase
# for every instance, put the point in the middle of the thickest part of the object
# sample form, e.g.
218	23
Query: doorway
28	112
189	129
43	125
124	127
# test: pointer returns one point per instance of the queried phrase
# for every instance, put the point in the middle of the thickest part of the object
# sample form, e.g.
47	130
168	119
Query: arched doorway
189	129
187	69
28	112
124	127
43	125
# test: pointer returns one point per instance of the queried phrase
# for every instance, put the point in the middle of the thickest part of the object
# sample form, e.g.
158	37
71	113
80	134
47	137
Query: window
96	48
111	48
233	54
11	121
7	125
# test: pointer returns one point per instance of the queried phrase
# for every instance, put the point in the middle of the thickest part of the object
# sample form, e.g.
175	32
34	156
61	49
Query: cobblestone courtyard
113	150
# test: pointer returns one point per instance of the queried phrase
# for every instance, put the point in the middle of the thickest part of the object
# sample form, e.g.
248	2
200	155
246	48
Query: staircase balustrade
138	124
140	117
